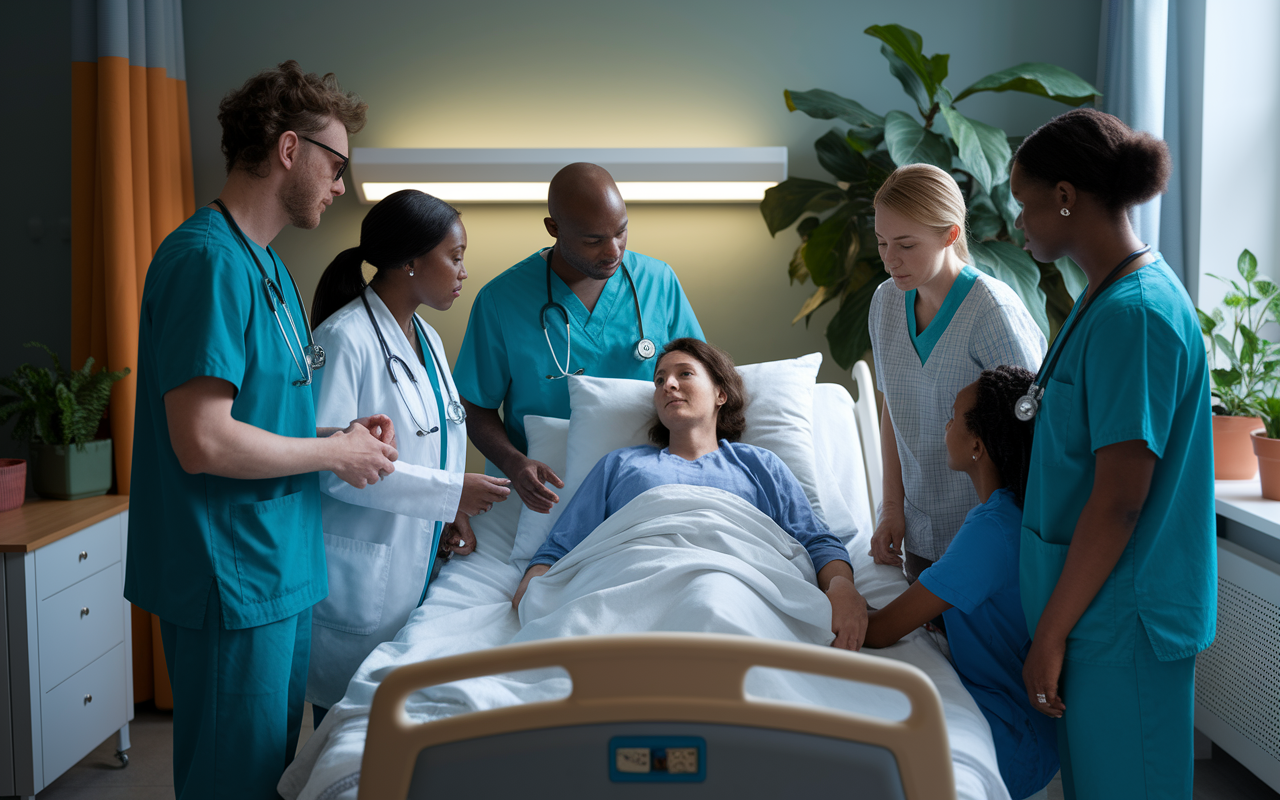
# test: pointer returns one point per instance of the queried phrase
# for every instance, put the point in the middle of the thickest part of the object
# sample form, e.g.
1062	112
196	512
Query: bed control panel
658	759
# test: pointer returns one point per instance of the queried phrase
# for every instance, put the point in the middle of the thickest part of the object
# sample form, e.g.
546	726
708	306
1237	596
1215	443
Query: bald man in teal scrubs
518	351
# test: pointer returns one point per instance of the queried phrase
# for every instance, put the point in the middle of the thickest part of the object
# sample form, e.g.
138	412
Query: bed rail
868	419
659	677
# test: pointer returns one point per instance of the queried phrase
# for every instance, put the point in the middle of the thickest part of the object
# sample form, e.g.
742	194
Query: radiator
1238	677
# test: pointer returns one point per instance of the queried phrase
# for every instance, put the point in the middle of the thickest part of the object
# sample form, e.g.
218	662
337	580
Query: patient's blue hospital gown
752	473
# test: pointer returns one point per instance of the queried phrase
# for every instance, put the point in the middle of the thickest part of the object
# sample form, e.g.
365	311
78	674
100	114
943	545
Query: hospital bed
452	703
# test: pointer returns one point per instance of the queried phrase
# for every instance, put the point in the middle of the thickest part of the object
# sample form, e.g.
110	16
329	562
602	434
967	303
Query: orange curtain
131	186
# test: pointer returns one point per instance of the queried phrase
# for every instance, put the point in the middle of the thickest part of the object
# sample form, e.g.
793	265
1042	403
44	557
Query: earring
1066	212
975	458
411	271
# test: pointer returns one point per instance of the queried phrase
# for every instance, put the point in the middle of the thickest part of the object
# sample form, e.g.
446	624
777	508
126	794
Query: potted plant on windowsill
1249	371
58	414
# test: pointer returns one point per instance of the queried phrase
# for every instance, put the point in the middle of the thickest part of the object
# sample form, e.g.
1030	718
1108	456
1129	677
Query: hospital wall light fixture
644	174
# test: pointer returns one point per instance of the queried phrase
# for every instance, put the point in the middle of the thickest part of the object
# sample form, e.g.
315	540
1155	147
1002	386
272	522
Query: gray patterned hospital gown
990	327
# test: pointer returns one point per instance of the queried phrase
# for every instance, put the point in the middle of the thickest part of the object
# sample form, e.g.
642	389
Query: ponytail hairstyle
1097	153
1007	438
931	197
401	227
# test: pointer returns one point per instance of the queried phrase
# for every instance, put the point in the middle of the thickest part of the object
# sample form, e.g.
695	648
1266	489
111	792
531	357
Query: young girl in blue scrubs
1118	558
935	324
975	583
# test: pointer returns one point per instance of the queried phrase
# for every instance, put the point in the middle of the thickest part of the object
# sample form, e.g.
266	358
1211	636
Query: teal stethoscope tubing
312	353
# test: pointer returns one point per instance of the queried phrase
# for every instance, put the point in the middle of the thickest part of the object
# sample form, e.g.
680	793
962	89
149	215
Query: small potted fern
58	413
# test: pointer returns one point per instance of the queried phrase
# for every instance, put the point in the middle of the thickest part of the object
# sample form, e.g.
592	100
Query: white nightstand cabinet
68	660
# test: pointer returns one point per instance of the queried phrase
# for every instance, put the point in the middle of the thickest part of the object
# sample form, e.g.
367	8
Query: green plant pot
65	472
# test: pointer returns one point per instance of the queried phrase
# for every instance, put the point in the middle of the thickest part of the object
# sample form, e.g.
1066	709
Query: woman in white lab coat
381	542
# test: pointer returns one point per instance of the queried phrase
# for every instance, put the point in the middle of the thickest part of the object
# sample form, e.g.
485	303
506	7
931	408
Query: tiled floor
149	775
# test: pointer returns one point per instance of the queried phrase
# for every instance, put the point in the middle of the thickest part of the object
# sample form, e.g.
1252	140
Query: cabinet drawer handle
84	612
88	698
84	554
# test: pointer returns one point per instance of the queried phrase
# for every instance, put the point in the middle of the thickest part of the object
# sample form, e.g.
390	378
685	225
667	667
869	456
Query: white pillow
611	413
548	439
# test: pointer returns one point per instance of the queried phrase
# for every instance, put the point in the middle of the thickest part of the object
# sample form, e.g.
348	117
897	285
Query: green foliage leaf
1225	378
796	270
838	157
1249	347
821	104
815	301
1046	80
909	143
1074	277
967	139
820	250
1009	263
911	82
783	204
1207	323
54	406
1247	265
1228	350
984	221
909	47
1009	208
939	65
847	333
1234	300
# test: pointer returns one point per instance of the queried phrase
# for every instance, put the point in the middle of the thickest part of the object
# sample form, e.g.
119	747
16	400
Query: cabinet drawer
76	557
71	724
70	638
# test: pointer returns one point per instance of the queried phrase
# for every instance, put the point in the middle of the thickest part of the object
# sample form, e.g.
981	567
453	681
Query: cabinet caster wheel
123	758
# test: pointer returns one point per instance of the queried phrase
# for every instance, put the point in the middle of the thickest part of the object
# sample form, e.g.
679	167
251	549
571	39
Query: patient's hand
530	574
848	614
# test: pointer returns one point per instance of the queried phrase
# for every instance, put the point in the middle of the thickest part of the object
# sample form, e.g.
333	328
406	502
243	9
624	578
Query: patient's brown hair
281	99
731	421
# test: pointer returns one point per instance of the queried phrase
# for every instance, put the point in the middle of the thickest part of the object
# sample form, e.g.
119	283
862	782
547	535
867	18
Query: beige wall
608	74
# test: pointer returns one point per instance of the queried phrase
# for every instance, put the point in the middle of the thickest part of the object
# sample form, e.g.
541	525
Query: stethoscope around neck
1029	404
312	353
644	350
454	412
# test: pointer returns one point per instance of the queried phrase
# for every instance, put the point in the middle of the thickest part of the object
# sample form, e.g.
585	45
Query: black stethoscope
644	349
312	353
1029	404
454	411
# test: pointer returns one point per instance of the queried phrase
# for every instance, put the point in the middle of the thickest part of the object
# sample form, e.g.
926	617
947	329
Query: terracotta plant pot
1268	451
1233	458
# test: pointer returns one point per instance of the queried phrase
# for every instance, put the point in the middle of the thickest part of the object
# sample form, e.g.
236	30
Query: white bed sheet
468	608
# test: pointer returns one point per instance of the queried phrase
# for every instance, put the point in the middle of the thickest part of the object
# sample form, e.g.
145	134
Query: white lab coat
378	540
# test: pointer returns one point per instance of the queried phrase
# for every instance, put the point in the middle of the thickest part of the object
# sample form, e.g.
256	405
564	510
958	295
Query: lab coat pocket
1056	419
271	550
1040	567
358	574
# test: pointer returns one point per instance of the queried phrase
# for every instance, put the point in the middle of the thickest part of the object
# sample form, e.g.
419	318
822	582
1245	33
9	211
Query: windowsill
1242	502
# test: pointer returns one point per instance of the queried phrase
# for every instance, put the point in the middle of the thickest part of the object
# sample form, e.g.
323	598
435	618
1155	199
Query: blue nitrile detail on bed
657	759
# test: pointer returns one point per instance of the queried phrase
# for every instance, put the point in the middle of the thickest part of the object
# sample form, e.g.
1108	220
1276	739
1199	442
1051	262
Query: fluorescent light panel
675	175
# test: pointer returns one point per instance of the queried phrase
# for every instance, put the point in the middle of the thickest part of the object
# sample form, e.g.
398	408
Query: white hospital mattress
468	608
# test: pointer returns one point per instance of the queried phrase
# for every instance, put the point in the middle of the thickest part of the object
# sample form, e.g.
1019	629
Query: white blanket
676	558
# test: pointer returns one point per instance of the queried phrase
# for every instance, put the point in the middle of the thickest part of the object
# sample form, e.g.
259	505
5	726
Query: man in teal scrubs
518	352
225	543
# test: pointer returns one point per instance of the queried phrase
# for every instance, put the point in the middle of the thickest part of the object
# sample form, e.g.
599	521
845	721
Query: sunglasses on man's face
342	168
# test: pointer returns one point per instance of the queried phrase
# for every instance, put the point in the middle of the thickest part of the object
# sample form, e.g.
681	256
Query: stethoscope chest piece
1027	406
315	356
455	412
645	350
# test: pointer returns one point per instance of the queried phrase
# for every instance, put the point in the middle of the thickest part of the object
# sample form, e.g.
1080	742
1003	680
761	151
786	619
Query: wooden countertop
39	522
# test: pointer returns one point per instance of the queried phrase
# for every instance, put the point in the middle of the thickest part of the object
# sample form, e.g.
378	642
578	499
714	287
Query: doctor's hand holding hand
529	478
480	492
457	537
886	541
359	457
1041	673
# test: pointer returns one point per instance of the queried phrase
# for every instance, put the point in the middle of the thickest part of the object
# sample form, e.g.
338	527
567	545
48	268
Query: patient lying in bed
699	400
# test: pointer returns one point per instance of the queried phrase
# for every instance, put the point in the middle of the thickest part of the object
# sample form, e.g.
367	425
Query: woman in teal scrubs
1118	564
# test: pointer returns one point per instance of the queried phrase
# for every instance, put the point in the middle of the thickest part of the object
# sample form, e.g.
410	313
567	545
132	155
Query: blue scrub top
987	633
205	312
753	473
1135	369
505	361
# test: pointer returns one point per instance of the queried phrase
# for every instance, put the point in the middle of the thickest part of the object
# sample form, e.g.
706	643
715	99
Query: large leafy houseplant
1251	362
55	406
836	219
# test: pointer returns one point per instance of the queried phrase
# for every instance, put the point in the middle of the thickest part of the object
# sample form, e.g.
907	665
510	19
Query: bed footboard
672	678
